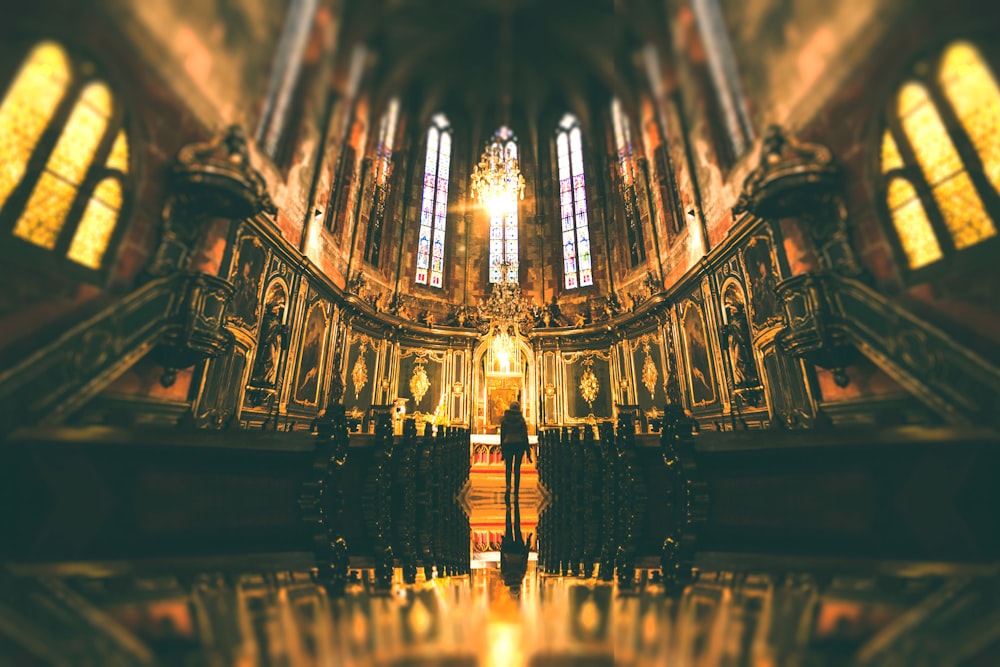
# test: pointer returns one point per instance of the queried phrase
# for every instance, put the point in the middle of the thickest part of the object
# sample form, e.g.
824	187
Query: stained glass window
277	120
72	205
503	224
722	69
956	165
577	266
626	167
434	206
383	169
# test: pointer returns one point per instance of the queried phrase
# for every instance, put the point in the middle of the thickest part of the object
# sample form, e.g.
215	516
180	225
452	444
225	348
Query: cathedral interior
276	270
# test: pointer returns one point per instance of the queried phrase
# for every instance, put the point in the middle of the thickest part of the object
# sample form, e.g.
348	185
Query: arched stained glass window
577	268
71	205
724	75
626	167
434	204
383	169
276	129
940	157
503	223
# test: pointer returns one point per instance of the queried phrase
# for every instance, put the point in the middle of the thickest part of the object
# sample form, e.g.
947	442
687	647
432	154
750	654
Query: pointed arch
577	264
434	203
70	206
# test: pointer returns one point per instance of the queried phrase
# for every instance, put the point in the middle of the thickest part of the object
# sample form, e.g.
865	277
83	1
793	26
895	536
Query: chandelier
497	180
504	316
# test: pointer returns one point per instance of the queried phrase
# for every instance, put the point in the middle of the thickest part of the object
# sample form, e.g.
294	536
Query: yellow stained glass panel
963	211
912	226
891	158
911	96
98	222
43	217
26	110
972	90
931	144
45	213
98	98
118	158
79	139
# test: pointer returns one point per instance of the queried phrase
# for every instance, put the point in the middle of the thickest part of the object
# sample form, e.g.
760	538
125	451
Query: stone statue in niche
273	338
736	333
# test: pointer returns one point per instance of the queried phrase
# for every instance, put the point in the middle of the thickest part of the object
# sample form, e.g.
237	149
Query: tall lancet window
577	271
503	222
434	209
383	169
626	166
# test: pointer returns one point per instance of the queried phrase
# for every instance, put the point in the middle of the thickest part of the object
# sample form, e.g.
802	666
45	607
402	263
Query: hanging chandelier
497	179
505	315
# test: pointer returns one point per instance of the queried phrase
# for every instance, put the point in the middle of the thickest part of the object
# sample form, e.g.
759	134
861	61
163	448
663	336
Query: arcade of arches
276	271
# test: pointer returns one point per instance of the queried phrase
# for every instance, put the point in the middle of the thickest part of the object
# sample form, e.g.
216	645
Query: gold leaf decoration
649	372
359	374
419	384
589	385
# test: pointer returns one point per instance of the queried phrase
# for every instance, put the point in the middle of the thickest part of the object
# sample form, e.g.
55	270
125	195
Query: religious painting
500	394
701	386
247	275
758	260
311	355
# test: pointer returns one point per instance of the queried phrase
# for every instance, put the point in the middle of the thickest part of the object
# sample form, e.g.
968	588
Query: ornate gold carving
218	176
359	374
589	386
419	384
649	372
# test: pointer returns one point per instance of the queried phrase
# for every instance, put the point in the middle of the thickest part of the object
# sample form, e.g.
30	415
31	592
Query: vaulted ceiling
493	56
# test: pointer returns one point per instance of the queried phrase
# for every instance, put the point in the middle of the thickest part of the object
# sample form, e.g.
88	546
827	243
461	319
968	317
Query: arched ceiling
475	56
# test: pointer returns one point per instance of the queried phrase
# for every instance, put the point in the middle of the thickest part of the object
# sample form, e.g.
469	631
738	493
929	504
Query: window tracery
577	269
434	205
382	170
940	157
626	167
71	204
504	224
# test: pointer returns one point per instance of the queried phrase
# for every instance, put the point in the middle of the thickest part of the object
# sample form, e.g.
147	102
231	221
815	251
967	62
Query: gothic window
276	131
434	207
940	157
382	167
577	271
64	156
626	167
725	79
503	223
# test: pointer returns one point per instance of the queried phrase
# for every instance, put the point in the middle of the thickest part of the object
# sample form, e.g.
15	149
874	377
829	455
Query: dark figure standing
514	444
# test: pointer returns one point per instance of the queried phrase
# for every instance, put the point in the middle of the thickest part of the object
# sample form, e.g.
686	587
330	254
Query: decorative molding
827	314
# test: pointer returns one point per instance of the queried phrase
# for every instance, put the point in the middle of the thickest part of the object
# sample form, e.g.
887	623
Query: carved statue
737	335
273	337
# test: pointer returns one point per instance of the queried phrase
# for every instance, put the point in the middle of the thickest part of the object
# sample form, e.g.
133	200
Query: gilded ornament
419	384
589	385
359	374
649	372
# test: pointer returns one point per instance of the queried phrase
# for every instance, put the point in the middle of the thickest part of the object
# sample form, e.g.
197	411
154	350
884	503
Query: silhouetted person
514	444
514	551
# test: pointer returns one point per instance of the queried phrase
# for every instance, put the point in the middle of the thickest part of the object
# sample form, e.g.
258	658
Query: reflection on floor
487	509
723	619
